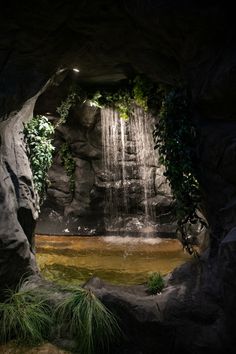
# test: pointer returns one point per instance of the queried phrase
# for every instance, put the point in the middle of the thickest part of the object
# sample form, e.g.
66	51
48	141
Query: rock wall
85	211
19	206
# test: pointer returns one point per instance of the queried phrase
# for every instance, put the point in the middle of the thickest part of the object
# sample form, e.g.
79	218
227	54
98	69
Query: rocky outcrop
19	207
186	317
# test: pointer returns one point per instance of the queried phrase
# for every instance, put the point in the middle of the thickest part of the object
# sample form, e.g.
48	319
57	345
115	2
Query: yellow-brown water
119	260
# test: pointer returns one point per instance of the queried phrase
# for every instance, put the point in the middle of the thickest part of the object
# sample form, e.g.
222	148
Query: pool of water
119	260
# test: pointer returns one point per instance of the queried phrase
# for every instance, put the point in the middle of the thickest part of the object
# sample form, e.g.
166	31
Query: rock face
112	194
18	201
184	318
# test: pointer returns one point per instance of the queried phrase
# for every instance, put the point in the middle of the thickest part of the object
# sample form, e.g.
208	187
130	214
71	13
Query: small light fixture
76	70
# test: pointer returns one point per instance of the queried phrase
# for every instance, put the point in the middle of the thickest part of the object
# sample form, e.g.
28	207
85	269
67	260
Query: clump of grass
92	325
155	283
24	317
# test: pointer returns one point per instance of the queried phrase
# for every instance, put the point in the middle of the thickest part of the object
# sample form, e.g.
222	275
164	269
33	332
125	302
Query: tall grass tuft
155	283
24	317
92	325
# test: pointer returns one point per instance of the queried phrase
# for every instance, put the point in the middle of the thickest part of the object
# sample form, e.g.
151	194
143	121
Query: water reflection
119	260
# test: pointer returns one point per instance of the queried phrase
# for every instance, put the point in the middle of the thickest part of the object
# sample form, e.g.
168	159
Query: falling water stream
129	161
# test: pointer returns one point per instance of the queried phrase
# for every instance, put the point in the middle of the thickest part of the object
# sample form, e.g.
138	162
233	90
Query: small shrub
24	317
155	283
88	320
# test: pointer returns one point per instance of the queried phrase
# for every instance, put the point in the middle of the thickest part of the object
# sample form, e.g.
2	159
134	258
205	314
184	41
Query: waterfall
129	162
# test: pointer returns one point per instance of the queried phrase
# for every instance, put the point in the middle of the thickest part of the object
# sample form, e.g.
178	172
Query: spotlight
61	70
76	70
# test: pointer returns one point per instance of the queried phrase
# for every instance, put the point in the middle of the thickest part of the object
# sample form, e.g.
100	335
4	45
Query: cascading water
129	163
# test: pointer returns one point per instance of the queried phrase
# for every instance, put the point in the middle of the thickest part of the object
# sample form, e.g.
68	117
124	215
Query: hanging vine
75	95
175	138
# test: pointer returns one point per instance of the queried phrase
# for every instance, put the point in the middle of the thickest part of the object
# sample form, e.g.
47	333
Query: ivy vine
75	95
38	136
69	164
175	138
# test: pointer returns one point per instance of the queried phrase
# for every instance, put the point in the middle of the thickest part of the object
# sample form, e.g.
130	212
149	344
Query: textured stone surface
185	318
19	208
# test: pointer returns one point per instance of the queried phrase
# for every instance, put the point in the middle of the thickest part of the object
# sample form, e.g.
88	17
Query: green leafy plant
24	317
120	100
75	95
142	91
175	137
155	283
38	135
88	320
69	164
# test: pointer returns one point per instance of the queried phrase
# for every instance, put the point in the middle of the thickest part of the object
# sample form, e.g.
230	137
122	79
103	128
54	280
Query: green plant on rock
88	320
38	135
120	100
175	137
69	164
142	91
75	95
24	317
155	283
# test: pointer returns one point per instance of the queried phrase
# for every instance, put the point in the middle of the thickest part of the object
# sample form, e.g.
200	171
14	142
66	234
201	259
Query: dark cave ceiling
169	41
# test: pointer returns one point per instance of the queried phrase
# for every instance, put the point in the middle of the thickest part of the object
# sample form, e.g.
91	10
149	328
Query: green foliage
175	137
68	163
75	95
120	100
24	317
140	91
38	134
155	283
88	320
142	88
